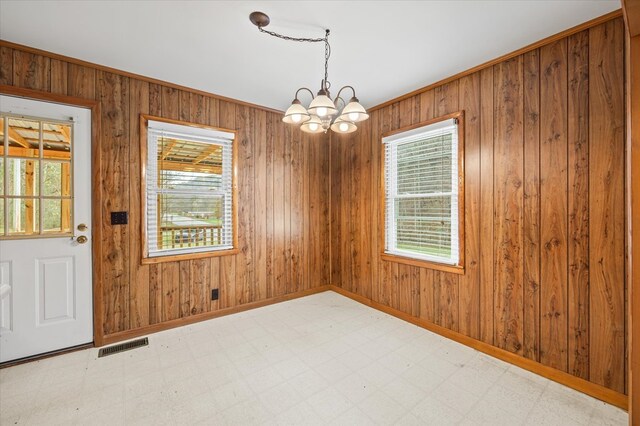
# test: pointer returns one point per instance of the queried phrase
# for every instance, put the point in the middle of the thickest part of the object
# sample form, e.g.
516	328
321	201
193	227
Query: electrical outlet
119	218
215	294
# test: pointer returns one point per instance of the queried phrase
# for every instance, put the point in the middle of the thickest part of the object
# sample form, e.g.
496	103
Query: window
423	193
189	182
35	177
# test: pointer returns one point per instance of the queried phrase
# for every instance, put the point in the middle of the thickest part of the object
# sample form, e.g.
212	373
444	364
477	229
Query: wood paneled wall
544	208
283	196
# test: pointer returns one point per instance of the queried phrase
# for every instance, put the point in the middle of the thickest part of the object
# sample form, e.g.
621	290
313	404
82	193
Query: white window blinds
421	193
189	197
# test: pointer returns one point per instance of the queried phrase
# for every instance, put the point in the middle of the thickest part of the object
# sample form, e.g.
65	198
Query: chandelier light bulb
322	113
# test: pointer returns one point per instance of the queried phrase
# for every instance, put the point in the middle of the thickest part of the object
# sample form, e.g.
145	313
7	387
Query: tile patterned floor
323	359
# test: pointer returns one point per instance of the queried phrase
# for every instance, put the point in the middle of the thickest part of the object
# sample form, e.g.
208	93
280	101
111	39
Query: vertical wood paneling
260	207
156	294
531	217
186	290
139	274
171	289
553	201
82	82
366	166
606	206
578	204
487	282
280	262
336	204
199	286
287	209
354	238
113	94
31	71
377	207
271	254
244	260
59	77
296	233
544	208
214	283
508	202
6	65
469	283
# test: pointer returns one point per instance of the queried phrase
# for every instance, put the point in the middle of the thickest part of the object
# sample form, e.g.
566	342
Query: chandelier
323	112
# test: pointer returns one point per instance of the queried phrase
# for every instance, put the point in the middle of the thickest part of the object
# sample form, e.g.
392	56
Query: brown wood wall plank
508	199
531	217
553	205
6	65
376	206
31	71
113	94
244	259
288	285
578	203
82	82
59	77
260	206
487	282
469	290
606	206
139	291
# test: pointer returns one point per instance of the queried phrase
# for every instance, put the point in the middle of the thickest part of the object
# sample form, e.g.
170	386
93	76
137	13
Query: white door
46	301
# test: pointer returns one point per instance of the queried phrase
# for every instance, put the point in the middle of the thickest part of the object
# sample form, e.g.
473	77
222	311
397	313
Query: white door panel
6	297
46	297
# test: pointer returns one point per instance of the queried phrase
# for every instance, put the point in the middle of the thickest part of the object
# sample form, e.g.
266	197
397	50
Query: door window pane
23	215
24	138
51	215
56	141
23	177
56	179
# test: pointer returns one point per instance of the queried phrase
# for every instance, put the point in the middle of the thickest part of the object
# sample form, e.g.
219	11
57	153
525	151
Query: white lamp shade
296	114
354	112
343	126
313	125
322	106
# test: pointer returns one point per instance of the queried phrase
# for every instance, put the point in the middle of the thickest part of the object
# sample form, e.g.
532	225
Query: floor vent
121	347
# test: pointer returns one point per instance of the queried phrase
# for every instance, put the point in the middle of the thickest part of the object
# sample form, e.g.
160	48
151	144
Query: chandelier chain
327	48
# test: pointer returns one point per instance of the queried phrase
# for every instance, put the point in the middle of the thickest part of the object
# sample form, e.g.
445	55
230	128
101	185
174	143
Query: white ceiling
383	48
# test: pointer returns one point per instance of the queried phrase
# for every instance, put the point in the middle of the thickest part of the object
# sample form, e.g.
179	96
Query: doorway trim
96	198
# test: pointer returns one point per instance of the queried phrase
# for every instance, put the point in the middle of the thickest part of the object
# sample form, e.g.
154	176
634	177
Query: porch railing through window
185	236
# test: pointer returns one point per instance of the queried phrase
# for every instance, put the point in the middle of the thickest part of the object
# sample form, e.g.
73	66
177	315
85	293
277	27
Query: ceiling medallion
323	112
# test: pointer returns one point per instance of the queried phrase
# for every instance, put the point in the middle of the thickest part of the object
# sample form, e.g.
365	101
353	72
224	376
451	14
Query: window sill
454	269
188	256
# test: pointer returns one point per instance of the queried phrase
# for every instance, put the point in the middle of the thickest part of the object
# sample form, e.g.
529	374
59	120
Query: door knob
81	239
82	227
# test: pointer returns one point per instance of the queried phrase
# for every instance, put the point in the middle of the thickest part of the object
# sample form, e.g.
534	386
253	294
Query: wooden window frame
144	124
459	267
